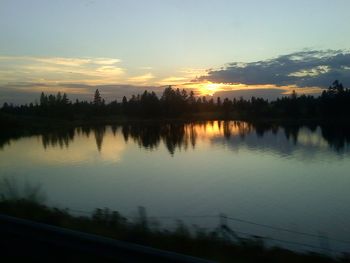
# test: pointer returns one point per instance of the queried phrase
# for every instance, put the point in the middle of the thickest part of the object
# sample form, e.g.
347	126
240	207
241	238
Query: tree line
334	102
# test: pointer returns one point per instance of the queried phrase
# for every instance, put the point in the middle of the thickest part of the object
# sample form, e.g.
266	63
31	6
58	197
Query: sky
214	47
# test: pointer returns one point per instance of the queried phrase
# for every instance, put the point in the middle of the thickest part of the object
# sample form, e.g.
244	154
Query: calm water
293	177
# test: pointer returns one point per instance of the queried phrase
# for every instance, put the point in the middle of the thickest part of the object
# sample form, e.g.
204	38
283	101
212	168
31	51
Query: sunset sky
222	47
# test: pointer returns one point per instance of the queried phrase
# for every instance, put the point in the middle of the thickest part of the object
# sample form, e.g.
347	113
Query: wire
233	219
284	229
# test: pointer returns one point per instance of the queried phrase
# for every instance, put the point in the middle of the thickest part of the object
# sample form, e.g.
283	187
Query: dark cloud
10	95
304	69
270	94
115	91
26	92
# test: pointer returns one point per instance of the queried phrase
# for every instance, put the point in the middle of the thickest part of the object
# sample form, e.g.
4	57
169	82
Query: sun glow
208	88
211	88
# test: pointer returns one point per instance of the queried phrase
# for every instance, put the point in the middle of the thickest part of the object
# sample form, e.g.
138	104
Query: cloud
22	78
268	93
111	91
106	61
145	78
60	69
70	62
183	76
110	70
61	61
26	92
310	68
173	81
146	68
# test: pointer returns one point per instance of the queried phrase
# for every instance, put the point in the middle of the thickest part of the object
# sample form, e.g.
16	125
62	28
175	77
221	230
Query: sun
209	88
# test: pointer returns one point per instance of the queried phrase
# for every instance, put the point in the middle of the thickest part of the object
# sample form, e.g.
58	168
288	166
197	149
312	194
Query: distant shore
20	122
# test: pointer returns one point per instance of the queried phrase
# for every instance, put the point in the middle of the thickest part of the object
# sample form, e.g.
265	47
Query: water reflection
178	135
258	172
60	138
149	136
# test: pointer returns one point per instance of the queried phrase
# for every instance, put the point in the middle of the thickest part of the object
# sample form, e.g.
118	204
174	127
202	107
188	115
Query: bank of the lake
221	244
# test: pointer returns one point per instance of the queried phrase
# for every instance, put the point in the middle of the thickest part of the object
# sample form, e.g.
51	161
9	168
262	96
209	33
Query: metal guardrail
20	238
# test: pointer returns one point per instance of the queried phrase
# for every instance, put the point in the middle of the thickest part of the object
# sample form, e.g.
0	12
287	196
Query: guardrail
20	238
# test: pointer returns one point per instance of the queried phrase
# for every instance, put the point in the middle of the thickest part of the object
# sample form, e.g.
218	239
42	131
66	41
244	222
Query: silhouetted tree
65	100
97	98
333	104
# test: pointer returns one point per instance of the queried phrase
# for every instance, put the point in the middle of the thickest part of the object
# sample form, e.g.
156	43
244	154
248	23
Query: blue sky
154	43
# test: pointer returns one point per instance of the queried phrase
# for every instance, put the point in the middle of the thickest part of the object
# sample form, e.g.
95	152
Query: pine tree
59	98
124	101
97	98
65	100
43	99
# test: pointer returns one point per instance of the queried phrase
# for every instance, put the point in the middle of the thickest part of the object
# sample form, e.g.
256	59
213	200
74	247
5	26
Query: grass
197	242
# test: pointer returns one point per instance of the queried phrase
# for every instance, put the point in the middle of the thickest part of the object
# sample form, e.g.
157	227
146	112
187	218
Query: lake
288	183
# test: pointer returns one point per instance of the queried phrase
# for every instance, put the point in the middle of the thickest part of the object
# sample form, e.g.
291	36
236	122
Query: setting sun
210	88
